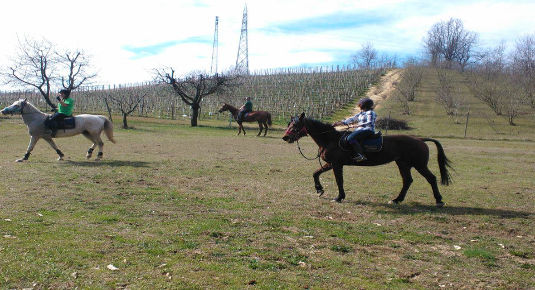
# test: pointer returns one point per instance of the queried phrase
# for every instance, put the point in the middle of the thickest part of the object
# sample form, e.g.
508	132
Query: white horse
88	125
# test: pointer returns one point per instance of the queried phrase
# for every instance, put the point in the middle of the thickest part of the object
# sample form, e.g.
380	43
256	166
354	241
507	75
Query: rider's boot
357	149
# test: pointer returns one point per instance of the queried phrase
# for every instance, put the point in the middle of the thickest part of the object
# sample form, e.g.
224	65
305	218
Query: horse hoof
320	191
60	158
19	160
338	200
394	202
440	204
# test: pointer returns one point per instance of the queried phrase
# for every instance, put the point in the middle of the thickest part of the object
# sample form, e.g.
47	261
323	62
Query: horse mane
326	130
30	105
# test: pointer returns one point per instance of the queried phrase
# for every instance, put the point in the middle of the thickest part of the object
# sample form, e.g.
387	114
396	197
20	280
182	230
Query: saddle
373	143
67	123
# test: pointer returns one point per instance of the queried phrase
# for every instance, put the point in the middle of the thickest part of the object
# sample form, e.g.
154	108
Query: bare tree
127	103
75	64
450	42
194	87
523	66
366	57
33	67
448	95
410	80
495	81
40	66
486	77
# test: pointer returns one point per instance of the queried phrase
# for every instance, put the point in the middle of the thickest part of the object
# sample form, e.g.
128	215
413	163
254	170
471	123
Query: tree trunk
125	124
194	114
52	106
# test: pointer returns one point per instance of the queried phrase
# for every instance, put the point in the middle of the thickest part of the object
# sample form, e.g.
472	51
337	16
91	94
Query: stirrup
359	158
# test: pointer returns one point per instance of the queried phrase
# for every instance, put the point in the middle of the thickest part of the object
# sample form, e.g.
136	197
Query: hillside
429	118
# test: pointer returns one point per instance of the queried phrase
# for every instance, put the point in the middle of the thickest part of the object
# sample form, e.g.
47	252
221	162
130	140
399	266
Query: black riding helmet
366	104
65	92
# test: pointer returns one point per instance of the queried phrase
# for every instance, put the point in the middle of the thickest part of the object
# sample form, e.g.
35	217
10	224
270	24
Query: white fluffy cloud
281	33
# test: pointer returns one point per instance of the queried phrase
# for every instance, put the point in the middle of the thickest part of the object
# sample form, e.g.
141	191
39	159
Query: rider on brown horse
365	120
246	108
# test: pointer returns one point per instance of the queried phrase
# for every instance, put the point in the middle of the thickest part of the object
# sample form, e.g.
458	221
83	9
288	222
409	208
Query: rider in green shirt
65	109
246	108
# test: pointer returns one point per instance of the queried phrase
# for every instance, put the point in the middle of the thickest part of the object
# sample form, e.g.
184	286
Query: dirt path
382	90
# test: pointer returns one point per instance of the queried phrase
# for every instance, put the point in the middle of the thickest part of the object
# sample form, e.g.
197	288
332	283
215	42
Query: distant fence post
466	125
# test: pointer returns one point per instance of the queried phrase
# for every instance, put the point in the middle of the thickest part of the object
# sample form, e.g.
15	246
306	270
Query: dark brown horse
262	117
406	151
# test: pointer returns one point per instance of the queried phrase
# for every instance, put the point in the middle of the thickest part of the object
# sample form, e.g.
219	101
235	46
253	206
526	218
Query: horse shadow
110	163
415	207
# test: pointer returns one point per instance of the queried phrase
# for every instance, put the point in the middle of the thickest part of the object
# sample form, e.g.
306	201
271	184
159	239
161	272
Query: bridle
21	106
303	132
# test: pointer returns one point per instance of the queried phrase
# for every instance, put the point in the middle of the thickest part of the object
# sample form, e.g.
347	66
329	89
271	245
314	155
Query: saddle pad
373	144
68	123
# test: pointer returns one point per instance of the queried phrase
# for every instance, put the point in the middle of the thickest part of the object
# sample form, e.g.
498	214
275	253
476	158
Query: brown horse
262	117
406	151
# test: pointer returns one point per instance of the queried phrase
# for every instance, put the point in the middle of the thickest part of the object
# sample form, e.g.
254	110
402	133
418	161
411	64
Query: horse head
224	107
296	129
16	107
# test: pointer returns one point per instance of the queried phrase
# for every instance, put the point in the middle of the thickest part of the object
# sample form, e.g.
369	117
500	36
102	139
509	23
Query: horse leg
432	179
405	171
261	128
90	150
55	147
92	147
33	140
265	128
339	176
240	128
316	175
100	148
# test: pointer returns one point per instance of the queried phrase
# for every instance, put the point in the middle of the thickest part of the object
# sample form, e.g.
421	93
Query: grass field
179	207
172	206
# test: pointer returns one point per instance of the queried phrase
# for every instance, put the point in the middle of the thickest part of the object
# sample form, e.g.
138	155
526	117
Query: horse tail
443	162
108	129
269	118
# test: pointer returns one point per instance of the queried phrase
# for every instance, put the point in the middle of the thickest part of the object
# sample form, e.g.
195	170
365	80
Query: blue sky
127	40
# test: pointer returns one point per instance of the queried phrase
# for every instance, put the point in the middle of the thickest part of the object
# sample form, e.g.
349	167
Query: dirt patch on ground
383	90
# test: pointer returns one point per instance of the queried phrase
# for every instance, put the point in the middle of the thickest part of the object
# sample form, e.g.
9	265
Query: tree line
502	80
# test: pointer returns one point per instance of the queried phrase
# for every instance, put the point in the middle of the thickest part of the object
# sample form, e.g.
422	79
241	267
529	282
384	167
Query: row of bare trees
506	82
409	82
503	81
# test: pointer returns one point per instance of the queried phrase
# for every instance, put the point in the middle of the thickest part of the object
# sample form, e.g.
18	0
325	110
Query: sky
127	40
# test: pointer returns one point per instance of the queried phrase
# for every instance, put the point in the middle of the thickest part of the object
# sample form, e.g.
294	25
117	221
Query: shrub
391	124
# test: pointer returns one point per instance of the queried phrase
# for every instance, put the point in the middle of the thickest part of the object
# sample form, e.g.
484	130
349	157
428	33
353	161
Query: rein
307	158
319	148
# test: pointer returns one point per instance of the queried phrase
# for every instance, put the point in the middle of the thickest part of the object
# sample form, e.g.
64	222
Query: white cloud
104	28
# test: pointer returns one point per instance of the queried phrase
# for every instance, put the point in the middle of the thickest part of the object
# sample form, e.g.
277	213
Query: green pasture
172	206
177	207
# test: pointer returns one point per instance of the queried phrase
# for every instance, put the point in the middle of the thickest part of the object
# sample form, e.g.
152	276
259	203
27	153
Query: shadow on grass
109	163
415	208
418	208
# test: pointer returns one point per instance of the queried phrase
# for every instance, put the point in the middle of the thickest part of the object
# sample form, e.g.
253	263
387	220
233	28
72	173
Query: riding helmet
366	103
66	92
